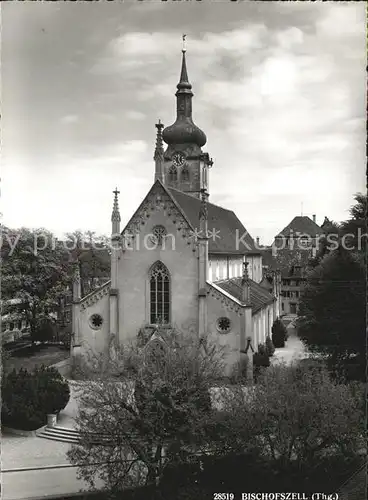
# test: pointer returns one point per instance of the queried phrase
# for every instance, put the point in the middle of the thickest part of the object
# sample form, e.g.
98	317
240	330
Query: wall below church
229	341
96	340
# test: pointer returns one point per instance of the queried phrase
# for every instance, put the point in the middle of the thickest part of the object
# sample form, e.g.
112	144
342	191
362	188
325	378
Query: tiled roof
225	221
259	297
301	224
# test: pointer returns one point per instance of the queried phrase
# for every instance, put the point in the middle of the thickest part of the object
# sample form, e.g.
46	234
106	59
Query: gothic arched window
185	174
173	174
159	294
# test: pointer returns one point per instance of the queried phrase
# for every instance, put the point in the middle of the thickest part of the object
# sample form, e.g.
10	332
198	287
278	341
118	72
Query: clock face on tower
178	159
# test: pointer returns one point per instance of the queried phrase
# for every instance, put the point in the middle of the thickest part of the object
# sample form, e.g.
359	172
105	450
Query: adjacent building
288	258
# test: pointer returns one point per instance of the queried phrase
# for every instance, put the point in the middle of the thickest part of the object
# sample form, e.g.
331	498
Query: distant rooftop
301	224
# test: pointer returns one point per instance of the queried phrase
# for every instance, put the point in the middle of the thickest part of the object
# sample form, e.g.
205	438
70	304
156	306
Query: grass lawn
36	355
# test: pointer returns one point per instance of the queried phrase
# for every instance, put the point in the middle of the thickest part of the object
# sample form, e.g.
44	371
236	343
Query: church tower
185	166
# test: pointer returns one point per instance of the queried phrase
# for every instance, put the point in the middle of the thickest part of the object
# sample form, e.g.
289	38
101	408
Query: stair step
68	435
62	430
59	438
55	434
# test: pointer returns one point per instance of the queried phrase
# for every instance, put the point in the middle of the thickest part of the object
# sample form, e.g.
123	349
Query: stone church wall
231	339
91	338
134	267
262	324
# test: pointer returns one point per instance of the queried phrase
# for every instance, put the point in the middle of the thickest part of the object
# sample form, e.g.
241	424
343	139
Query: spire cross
116	192
184	48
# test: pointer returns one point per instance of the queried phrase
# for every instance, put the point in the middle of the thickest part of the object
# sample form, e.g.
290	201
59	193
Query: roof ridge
208	202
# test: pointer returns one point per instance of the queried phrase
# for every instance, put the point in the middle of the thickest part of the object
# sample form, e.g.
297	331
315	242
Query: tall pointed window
173	174
159	294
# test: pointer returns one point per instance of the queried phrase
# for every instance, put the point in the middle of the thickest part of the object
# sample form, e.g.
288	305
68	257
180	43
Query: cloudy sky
279	91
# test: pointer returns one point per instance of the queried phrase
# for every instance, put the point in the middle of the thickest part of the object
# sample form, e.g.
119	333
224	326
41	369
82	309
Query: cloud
279	91
69	119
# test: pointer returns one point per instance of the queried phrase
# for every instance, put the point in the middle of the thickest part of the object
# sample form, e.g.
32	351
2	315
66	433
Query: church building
181	261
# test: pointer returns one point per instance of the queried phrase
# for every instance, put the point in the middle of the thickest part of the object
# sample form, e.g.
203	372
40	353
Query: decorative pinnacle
159	150
203	213
115	217
245	271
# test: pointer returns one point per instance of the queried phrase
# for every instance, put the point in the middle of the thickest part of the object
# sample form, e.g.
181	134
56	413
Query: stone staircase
69	435
58	433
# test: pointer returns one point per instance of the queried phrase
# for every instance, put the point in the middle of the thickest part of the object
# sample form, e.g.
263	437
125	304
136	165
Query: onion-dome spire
184	131
184	80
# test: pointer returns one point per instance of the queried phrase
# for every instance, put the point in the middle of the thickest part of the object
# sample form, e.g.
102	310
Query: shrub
45	331
279	333
53	390
260	360
270	348
27	397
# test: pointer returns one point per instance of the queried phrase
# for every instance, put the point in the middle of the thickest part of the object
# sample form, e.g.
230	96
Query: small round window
223	325
96	321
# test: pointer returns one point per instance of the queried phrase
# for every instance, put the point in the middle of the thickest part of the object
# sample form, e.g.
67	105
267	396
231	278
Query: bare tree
147	408
296	415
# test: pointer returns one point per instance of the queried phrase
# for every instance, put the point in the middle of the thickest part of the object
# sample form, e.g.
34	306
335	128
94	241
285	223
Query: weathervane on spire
184	47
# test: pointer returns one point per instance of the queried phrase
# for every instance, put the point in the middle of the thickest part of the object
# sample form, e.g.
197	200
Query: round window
96	321
223	325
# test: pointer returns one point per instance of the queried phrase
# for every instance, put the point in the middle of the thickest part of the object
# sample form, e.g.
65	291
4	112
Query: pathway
294	349
27	452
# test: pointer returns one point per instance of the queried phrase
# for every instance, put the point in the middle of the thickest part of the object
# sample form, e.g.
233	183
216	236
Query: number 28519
223	496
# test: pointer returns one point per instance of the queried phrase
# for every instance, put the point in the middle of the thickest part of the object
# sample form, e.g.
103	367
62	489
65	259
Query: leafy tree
329	241
296	415
36	270
332	308
90	251
145	410
351	234
27	397
354	230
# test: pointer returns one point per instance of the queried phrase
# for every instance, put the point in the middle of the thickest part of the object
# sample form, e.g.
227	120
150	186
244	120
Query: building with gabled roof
289	255
180	261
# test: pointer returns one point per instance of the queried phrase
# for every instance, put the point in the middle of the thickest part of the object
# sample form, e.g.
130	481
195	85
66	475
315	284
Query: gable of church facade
177	252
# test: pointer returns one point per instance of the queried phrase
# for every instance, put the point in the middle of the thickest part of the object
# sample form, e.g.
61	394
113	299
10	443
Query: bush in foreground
298	415
27	397
270	348
150	405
